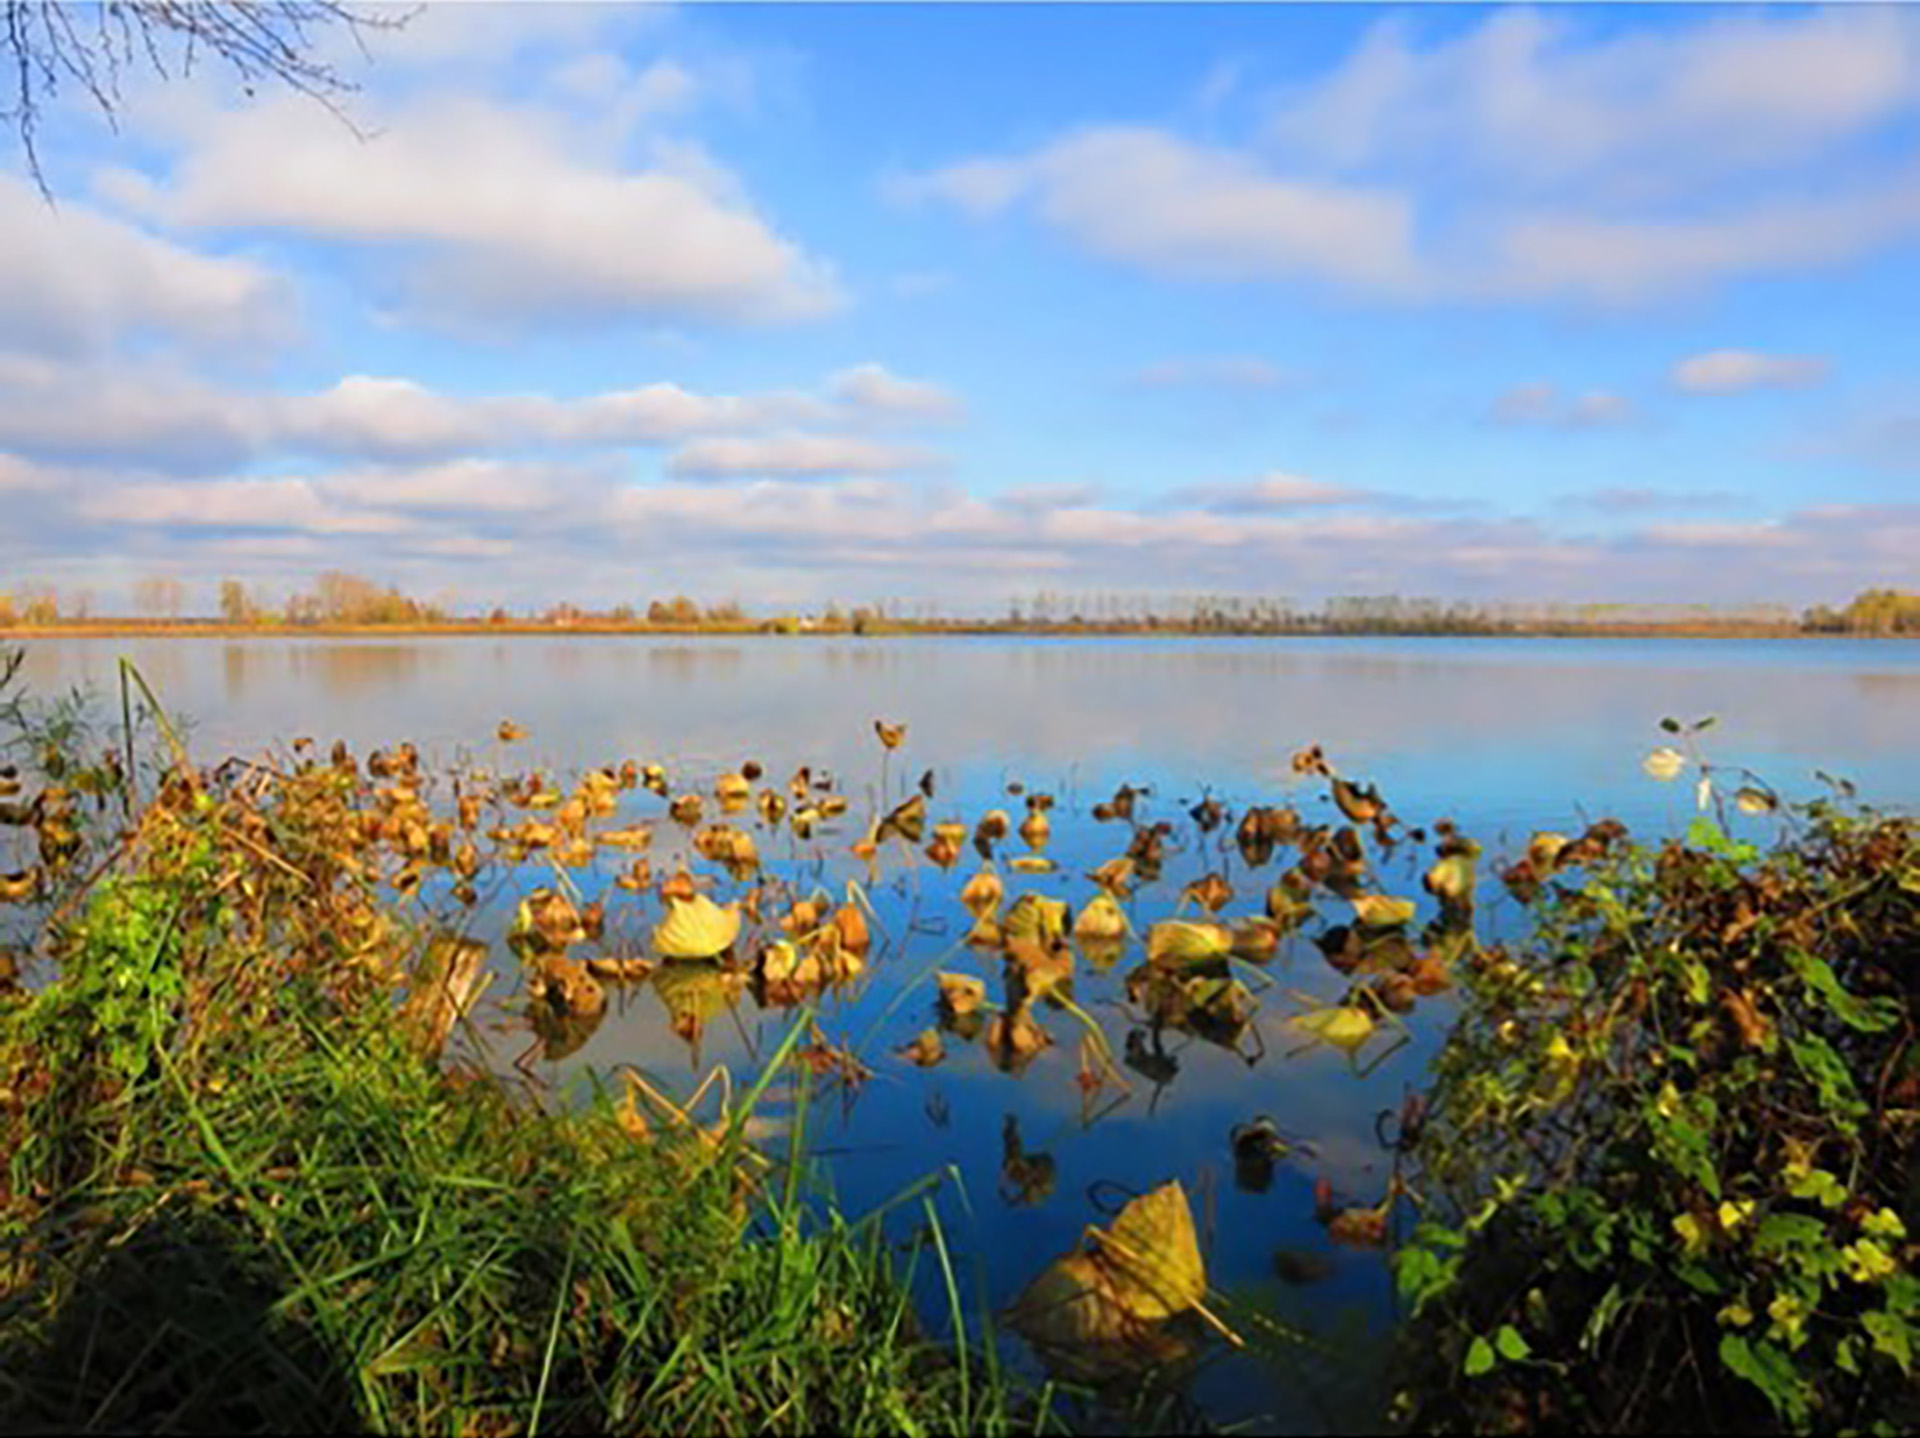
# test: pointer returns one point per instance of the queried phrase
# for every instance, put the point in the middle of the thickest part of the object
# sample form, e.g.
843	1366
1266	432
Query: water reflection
353	672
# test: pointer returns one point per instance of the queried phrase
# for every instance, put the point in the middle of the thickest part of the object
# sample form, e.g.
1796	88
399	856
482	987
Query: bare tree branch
262	42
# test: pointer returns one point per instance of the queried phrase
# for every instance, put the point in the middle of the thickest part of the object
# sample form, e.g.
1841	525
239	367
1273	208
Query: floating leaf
1362	805
1100	920
1345	1026
1038	919
1153	1255
926	1050
1211	892
1256	940
1451	880
1175	943
1378	911
982	893
961	993
696	928
1664	763
908	821
1014	1038
1751	800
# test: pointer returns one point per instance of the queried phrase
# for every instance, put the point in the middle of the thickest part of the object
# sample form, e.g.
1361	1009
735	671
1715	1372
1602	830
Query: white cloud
1708	535
233	504
1150	198
160	417
1618	260
875	389
1534	157
76	281
462	486
500	214
18	476
1538	402
1267	494
798	456
1732	371
1540	100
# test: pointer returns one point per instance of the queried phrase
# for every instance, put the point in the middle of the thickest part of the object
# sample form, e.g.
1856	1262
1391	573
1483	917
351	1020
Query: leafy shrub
1669	1157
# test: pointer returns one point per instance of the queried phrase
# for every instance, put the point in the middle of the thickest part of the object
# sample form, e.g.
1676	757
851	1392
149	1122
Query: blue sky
788	303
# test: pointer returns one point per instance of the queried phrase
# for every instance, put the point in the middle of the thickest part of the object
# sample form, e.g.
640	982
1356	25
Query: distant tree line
1875	611
340	598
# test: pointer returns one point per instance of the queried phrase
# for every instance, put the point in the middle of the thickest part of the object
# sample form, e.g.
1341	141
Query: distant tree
236	605
46	45
160	596
678	610
1883	611
39	605
343	598
6	611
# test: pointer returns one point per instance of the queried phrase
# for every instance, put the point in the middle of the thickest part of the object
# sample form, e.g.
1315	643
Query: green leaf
1421	1273
1829	1073
1769	1369
1780	1233
1672	726
1604	1312
1891	1337
1703	833
1480	1357
1512	1346
1869	1016
1843	1354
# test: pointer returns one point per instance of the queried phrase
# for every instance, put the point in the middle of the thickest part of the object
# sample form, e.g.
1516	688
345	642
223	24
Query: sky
947	304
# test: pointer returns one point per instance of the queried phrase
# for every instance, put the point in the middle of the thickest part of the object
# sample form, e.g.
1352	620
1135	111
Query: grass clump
240	1192
1675	1132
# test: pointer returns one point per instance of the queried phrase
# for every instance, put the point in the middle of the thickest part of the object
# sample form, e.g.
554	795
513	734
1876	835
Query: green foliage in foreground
1677	1137
234	1197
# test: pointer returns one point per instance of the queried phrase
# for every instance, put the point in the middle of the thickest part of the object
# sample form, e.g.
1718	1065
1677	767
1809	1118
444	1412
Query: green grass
235	1198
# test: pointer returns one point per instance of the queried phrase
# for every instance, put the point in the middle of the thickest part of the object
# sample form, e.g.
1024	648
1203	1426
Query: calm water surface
1503	736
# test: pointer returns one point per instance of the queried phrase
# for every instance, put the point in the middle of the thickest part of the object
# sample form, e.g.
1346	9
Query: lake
1504	737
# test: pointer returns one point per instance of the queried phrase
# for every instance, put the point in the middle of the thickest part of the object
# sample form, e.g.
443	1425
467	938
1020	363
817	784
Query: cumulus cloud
1267	494
1533	157
1732	371
18	476
1634	499
795	456
1532	99
161	417
1542	404
1150	198
466	485
292	504
879	392
77	281
500	214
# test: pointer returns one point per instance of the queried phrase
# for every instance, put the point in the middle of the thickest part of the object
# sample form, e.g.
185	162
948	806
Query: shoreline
212	629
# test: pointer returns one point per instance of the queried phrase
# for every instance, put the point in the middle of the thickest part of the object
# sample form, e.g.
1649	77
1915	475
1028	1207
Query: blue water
1503	736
